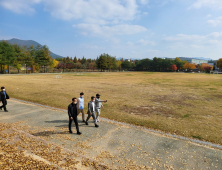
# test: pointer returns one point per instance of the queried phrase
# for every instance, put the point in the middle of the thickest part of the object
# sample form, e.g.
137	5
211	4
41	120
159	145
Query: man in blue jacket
3	97
73	113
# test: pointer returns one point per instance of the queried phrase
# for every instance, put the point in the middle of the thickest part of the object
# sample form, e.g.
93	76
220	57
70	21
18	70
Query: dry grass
180	103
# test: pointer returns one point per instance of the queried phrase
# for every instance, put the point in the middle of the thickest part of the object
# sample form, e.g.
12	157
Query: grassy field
179	103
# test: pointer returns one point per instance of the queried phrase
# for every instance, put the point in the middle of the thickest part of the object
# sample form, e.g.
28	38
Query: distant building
193	60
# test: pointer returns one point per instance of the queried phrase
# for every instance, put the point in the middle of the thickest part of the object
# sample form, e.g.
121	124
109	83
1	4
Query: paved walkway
118	146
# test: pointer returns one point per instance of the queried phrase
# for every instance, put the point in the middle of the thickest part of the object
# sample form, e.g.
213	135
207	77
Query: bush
207	69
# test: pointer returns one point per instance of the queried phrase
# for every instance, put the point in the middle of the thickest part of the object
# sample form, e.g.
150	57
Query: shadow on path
81	123
48	133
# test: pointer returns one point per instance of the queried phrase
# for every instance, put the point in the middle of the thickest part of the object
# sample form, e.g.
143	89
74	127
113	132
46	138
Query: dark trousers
76	123
4	103
89	116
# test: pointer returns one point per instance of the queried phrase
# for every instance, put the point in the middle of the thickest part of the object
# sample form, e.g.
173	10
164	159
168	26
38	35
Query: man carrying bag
3	97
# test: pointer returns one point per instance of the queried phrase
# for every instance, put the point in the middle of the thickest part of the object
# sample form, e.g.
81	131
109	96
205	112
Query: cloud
215	4
184	38
92	9
87	46
144	2
109	31
21	6
217	21
214	38
208	16
146	42
130	43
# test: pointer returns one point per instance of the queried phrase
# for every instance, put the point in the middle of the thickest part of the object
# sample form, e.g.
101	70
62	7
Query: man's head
74	100
97	96
3	88
81	94
92	98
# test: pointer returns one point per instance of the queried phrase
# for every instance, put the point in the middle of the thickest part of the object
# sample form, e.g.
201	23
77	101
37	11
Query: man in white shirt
91	111
80	106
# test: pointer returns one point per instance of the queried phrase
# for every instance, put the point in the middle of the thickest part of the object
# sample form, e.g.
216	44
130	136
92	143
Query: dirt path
115	145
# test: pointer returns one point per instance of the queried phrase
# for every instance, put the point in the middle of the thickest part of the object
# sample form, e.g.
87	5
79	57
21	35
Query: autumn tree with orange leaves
189	66
203	65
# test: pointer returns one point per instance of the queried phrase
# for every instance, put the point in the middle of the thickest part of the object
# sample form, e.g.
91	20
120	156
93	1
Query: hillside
28	43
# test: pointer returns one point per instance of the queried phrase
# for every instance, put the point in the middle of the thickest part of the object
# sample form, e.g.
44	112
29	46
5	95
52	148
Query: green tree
114	63
18	67
68	60
109	62
75	60
118	64
19	53
144	64
7	55
219	63
92	66
43	57
102	62
83	61
126	65
59	59
89	60
179	63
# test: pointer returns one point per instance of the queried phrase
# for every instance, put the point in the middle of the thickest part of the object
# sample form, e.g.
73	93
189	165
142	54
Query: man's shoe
1	108
6	110
79	133
96	125
86	123
98	120
70	131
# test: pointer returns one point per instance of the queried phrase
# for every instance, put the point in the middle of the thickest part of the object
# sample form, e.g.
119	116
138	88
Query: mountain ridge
28	43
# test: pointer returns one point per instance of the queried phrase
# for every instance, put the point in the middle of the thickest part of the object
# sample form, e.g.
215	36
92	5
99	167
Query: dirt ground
178	103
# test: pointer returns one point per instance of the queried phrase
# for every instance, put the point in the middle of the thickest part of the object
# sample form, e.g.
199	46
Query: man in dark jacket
3	97
73	113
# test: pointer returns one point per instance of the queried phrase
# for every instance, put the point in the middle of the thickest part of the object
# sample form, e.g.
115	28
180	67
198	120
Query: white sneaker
97	120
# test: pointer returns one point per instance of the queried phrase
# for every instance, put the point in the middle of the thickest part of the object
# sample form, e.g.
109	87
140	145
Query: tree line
34	57
39	59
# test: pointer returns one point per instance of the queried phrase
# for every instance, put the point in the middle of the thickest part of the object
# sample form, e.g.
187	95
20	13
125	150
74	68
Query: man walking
3	97
73	112
98	104
91	111
80	106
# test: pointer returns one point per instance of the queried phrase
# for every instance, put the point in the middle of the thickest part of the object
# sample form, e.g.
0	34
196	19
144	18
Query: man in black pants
73	112
3	97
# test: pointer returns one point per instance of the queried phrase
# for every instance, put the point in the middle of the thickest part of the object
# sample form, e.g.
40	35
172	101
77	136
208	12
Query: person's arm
69	111
77	110
90	108
7	96
97	100
78	101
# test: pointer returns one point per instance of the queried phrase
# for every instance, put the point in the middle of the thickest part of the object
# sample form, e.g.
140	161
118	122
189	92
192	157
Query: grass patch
87	74
149	73
154	100
212	89
185	116
197	137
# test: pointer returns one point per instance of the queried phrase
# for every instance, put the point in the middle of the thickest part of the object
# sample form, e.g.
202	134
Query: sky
123	28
